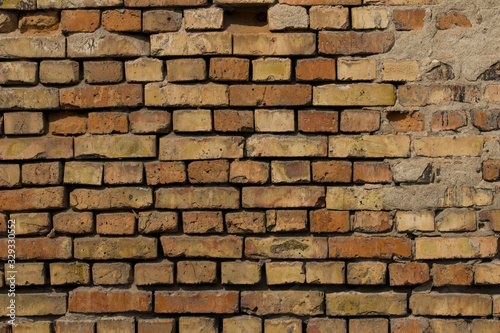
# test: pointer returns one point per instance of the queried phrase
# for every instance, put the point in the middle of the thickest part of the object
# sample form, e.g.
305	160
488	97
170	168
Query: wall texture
246	166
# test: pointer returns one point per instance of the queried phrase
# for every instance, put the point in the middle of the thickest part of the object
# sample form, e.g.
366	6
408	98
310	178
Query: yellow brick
353	304
186	95
456	247
369	146
274	120
271	69
354	198
448	146
354	95
404	70
192	120
187	44
275	44
369	18
285	273
329	17
356	69
415	221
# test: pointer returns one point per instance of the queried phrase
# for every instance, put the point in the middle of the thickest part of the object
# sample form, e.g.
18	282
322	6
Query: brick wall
247	166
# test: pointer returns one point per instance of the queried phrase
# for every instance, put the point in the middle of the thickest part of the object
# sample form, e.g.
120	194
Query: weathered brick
404	122
466	196
315	69
21	46
10	175
249	172
283	197
412	273
492	93
329	17
325	272
418	95
165	172
39	21
106	248
283	302
73	223
369	18
186	95
487	274
448	146
485	325
204	18
246	223
454	275
67	123
285	273
189	148
266	145
271	69
356	69
22	123
233	120
161	20
354	95
149	122
111	273
399	70
116	146
146	274
201	222
157	222
39	248
191	69
38	326
447	20
122	20
38	98
240	272
106	45
70	324
328	221
106	71
366	273
59	71
90	300
435	304
410	324
85	173
63	273
202	247
456	220
196	302
80	20
284	324
404	2
31	223
198	324
332	171
35	304
276	44
115	224
327	325
456	247
126	95
369	146
45	4
196	272
33	199
199	120
26	274
18	72
166	325
242	324
8	21
286	247
355	304
415	221
111	198
408	19
144	70
372	172
120	324
492	217
189	44
229	69
448	120
347	43
366	221
290	172
270	95
318	121
198	197
354	198
286	220
285	17
374	247
123	172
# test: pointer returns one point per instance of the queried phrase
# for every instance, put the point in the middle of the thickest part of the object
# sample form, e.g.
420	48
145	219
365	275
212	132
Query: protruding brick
80	20
114	273
374	247
332	171
366	273
328	17
39	248
270	95
116	146
189	44
196	302
328	221
412	273
325	272
176	148
347	43
161	20
115	224
73	223
366	221
229	69
283	302
90	300
33	199
249	172
355	304
106	248
454	275
276	44
286	247
144	70
111	198
354	95
369	146
435	304
240	272
85	173
285	324
266	145
246	223
64	273
18	72
146	274
59	71
456	247
354	198
201	222
202	247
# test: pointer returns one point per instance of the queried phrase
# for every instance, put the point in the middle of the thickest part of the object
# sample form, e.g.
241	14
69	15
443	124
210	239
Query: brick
31	223
161	20
487	274
157	222
123	172
369	146
375	247
202	247
204	18
150	122
404	2
325	272
107	71
496	305
40	248
107	248
354	95
435	304
348	43
183	148
196	302
144	70
286	248
111	198
229	69
242	324
89	300
286	220
369	18
26	274
246	223
190	44
448	146
285	17
318	121
484	325
290	172
165	172
166	325
193	69
111	273
240	272
233	120
403	70
45	4
285	273
325	325
413	171
64	273
202	222
18	72
456	247
249	172
492	217
271	69
36	326
122	20
322	2
329	17
282	197
315	69
73	223
22	46
196	272
35	304
366	221
8	21
456	220
266	145
116	146
446	120
354	304
366	273
454	275
86	173
10	175
404	122
29	99
39	21
327	221
417	95
294	302
59	71
408	19
197	324
125	95
447	20
492	93
70	324
163	3
115	224
199	120
354	198
67	123
270	95
120	324
106	45
356	69
276	44
198	197
410	325
485	120
332	171
372	172
359	121
415	221
146	274
32	199
22	123
283	325
80	20
466	196
215	171
186	95
404	274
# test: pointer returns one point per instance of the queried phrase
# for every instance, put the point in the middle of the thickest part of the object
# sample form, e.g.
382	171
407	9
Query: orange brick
445	21
317	69
73	223
165	172
233	120
115	224
485	120
286	220
348	43
409	19
107	122
229	69
107	71
405	274
88	300
329	221
372	172
453	275
67	123
374	247
123	172
216	171
202	222
39	248
49	173
318	121
492	217
122	20
406	122
249	172
246	222
448	120
355	121
196	302
332	171
410	325
126	95
367	221
80	20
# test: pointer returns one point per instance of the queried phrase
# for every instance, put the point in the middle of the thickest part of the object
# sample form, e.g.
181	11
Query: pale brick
369	146
456	247
116	146
10	175
111	198
435	304
274	120
276	44
329	17
20	46
189	44
22	123
286	248
283	325
105	45
414	221
356	69
150	121
186	95
293	302
202	247
31	223
111	273
354	304
161	20
271	69
26	274
146	274
240	272
123	172
35	304
165	172
366	273
285	17
325	272
449	146
456	220
63	273
354	95
192	120
59	72
366	221
369	18
144	70
18	72
46	4
197	324
466	196
194	148
107	248
29	99
204	18
196	272
270	95
264	145
283	197
242	324
85	173
191	69
285	273
404	70
354	198
157	222
35	326
487	274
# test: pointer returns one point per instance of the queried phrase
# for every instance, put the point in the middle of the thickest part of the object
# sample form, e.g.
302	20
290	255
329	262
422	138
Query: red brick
348	43
485	120
216	171
73	223
115	224
39	248
270	95
366	221
404	122
407	274
246	222
410	325
229	69
107	122
80	20
374	247
332	171
202	247
88	300
329	221
33	199
165	172
196	302
67	123
372	172
447	20
452	275
448	120
106	71
125	95
49	173
317	69
122	20
409	19
202	222
249	172
318	121
233	121
356	121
